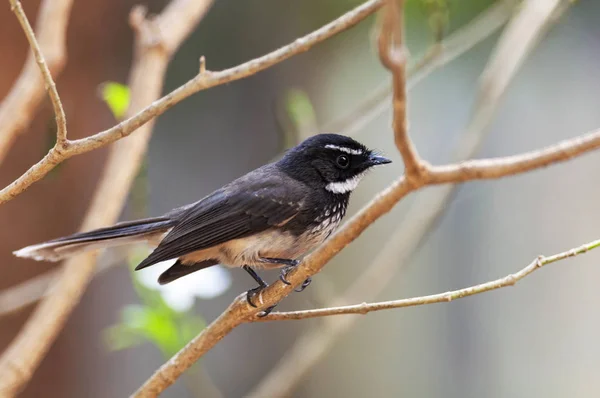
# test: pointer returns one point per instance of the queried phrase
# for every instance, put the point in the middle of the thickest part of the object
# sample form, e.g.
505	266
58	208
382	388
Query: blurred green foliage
296	117
116	96
152	320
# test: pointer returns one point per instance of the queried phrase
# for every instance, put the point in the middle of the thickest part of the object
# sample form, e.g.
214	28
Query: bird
269	218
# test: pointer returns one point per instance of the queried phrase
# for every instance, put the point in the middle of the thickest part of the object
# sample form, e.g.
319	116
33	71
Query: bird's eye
343	161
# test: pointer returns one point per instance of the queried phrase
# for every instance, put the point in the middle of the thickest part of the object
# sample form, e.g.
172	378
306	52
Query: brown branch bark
200	82
509	280
47	57
392	54
152	54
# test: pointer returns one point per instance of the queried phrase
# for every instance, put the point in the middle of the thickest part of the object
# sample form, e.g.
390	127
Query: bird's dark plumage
269	217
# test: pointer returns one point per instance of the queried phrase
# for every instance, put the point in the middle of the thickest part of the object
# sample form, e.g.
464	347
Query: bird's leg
253	292
289	265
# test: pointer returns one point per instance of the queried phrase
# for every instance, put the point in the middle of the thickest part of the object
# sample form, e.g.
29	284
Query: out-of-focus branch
21	296
508	280
421	220
47	57
393	56
440	54
152	55
204	80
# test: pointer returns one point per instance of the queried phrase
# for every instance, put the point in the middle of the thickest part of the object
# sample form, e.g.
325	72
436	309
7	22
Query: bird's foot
283	278
251	294
304	285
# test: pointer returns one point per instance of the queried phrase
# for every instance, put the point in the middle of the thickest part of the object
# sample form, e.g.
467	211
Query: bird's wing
247	206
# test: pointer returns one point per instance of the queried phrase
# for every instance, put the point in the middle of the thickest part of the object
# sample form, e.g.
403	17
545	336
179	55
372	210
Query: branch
151	59
365	308
17	110
19	297
201	82
393	56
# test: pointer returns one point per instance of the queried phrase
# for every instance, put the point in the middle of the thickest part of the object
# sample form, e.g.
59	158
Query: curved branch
392	54
201	82
47	57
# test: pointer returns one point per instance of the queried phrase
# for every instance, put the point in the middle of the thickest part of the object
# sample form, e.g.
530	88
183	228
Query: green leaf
300	111
116	96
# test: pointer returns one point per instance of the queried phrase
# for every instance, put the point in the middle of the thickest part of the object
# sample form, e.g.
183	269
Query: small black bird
268	218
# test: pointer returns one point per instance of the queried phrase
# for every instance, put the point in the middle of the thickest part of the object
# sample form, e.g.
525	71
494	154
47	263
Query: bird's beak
376	160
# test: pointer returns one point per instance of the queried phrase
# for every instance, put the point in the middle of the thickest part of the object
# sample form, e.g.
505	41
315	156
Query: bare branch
508	280
19	297
17	109
393	56
61	120
200	82
25	353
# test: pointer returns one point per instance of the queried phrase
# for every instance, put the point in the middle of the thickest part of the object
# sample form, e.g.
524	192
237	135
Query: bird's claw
252	293
266	311
283	275
250	296
304	285
283	278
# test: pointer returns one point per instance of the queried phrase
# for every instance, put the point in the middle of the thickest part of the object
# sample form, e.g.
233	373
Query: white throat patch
349	151
342	187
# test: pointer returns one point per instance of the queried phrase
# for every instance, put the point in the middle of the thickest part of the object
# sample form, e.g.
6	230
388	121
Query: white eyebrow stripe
344	149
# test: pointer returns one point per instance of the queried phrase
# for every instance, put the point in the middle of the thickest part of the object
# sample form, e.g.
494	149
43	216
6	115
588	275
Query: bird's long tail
145	230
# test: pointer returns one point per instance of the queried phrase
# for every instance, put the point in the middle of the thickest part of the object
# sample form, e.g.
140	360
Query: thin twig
48	56
392	54
61	120
365	308
152	52
200	82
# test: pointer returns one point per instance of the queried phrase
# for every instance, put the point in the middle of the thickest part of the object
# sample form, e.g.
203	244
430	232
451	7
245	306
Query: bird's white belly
271	244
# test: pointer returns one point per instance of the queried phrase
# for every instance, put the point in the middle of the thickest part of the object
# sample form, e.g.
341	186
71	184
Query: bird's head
332	161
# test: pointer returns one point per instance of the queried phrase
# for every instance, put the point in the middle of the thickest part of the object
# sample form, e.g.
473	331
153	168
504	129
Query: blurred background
539	338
